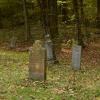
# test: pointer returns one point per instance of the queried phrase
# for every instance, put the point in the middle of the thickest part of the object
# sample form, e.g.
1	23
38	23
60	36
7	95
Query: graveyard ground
62	82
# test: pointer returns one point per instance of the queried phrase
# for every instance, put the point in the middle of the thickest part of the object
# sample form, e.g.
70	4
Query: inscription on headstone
37	62
76	57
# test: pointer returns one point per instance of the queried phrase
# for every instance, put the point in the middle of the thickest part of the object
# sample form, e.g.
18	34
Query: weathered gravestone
37	62
49	49
76	57
13	42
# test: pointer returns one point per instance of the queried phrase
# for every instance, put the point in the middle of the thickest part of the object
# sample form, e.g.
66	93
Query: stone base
37	76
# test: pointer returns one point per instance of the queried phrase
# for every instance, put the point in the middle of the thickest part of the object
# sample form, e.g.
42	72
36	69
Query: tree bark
78	22
0	19
27	26
98	13
83	20
53	22
81	11
44	15
64	12
49	20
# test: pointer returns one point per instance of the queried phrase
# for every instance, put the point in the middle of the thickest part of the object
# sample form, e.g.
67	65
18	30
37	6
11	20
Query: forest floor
62	83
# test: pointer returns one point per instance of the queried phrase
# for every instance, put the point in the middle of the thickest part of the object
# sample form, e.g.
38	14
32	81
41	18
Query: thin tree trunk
78	23
83	21
49	20
44	15
64	12
0	19
27	26
81	11
53	22
53	19
98	13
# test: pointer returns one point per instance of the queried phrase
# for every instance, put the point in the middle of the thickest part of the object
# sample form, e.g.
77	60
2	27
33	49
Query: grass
62	82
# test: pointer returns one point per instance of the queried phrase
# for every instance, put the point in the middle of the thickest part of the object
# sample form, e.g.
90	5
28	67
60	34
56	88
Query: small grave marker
13	42
76	57
37	62
49	49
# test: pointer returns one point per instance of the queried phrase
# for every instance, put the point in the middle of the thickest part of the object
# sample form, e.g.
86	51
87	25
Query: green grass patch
62	82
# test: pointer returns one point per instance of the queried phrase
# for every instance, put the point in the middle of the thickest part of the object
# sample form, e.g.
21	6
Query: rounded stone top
38	42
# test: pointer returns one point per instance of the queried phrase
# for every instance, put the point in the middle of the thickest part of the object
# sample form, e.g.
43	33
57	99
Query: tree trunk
44	15
64	12
81	11
53	22
0	19
49	20
83	20
98	13
27	26
78	22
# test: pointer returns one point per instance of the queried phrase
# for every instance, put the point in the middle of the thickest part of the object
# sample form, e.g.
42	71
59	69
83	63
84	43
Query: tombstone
49	49
76	57
13	42
37	62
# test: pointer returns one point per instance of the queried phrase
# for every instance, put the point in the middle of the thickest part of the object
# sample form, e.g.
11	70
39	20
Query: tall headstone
76	57
37	62
49	48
